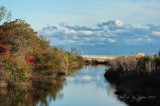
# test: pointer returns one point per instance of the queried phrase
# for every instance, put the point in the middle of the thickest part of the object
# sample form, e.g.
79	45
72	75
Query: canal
87	87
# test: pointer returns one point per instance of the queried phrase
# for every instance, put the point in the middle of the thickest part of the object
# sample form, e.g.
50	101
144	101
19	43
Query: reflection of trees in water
43	91
11	98
136	89
39	91
72	70
111	89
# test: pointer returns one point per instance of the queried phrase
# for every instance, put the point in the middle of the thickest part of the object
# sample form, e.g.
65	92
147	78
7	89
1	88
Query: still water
87	87
83	86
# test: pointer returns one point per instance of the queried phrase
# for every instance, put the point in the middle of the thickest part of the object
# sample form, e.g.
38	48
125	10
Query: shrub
12	66
124	63
72	58
32	60
3	50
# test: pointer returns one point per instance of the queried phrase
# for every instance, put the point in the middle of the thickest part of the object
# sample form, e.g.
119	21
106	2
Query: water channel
82	87
87	87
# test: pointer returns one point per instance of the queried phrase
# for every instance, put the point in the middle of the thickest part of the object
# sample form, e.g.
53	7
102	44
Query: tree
74	51
159	53
4	15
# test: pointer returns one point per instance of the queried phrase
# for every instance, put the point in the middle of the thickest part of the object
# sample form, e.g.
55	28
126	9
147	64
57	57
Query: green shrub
18	73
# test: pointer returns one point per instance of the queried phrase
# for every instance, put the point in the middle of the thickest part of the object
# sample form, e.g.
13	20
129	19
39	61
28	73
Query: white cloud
87	39
111	40
119	23
139	39
50	30
87	78
114	25
63	24
149	39
105	33
102	39
87	32
75	37
68	31
156	33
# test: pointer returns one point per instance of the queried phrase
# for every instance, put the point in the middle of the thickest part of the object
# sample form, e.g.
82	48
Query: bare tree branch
3	11
4	15
9	16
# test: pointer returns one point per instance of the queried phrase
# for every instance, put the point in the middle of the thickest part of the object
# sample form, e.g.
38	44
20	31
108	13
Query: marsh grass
135	78
133	63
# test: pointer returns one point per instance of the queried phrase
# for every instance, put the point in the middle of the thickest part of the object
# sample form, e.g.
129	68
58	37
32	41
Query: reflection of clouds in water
98	77
87	77
60	96
82	78
111	89
70	79
90	75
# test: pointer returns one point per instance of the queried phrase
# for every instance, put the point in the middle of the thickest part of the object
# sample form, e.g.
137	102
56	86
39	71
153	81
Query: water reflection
87	86
38	92
136	89
89	75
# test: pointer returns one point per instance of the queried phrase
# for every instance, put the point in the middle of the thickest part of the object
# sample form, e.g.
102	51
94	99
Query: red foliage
31	59
3	50
0	37
30	97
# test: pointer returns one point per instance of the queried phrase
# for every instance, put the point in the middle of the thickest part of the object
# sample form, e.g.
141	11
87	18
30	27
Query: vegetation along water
26	56
34	73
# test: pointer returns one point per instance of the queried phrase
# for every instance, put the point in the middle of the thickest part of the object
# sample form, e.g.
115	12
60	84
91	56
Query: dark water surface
87	87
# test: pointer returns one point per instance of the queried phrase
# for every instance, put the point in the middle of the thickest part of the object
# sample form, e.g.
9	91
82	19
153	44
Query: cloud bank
110	32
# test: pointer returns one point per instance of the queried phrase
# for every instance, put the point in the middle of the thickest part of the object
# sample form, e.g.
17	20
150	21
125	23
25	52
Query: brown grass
133	63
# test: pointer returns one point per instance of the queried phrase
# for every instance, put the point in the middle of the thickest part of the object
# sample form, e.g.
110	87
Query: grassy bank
136	79
132	65
24	53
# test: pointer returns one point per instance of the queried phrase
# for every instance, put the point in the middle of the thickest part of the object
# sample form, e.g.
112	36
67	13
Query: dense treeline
23	52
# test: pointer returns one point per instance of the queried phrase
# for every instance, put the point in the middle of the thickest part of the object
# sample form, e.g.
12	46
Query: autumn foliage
31	59
23	52
3	50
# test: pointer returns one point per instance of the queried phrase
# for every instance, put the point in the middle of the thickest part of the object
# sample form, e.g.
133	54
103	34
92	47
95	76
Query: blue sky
123	26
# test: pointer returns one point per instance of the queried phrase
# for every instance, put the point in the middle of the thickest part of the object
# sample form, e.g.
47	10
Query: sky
98	27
